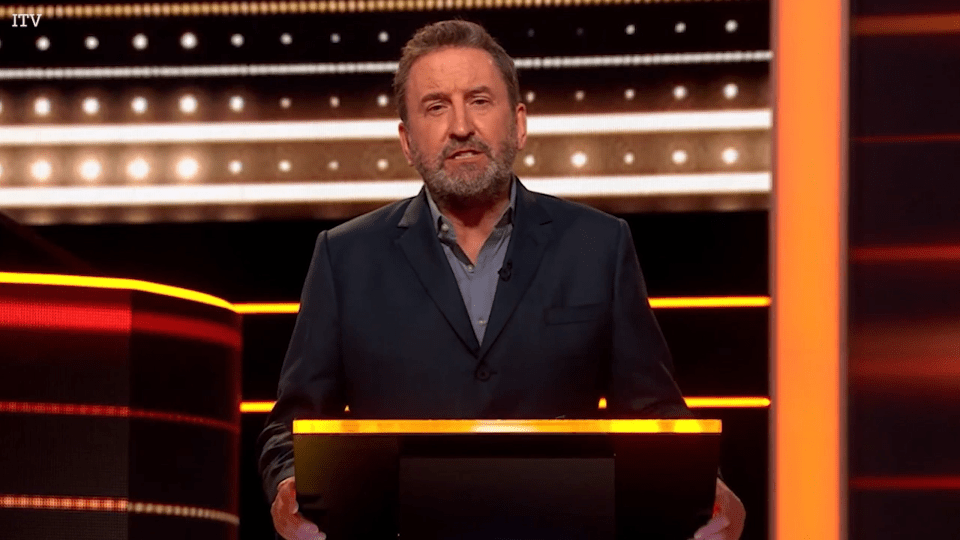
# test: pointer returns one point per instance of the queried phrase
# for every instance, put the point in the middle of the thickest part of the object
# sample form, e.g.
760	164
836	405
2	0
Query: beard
469	185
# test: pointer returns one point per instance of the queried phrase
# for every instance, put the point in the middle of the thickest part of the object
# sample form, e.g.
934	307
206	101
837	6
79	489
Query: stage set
786	170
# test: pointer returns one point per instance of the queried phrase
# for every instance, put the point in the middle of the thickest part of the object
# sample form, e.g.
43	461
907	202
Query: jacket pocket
572	314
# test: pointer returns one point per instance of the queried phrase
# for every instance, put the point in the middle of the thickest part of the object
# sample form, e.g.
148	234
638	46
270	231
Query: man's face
461	133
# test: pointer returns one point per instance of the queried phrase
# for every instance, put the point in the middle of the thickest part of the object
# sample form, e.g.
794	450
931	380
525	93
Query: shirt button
444	227
482	322
469	268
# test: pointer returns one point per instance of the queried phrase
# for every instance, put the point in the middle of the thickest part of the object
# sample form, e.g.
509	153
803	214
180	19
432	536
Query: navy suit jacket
382	327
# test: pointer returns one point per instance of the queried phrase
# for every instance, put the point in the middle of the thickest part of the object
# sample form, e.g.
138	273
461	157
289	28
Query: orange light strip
264	309
905	483
907	25
114	283
113	504
807	496
330	427
661	303
887	254
692	402
116	411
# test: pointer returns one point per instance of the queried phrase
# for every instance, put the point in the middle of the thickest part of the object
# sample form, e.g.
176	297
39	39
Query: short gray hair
453	33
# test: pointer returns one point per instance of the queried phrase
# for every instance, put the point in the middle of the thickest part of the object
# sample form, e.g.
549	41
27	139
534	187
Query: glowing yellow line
114	283
663	303
263	309
742	402
318	427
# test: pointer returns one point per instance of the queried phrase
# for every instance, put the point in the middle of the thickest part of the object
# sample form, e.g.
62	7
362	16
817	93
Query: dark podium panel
507	479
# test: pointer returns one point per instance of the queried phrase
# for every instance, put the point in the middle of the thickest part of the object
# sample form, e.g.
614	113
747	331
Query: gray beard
470	187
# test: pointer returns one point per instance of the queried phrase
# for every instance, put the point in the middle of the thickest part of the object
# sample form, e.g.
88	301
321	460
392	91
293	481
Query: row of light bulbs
189	40
188	168
189	104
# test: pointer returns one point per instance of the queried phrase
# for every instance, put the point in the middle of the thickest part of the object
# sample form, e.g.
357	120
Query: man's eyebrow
433	96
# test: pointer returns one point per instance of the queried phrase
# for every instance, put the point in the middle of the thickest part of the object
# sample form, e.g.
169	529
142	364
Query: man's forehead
438	68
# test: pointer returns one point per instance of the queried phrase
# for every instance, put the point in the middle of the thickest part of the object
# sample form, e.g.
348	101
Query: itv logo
22	17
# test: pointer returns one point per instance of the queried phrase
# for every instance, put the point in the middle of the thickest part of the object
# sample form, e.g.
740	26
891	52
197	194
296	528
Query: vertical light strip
807	486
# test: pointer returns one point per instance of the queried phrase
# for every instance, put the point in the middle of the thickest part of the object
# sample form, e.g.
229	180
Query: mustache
470	144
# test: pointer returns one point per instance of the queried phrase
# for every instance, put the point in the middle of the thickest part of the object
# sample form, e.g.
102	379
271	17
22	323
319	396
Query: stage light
236	103
284	165
91	42
732	26
43	43
334	101
90	169
629	94
285	102
580	31
41	170
680	28
382	164
138	169
630	29
188	40
531	96
629	158
579	95
531	32
237	40
188	104
579	159
529	160
140	42
235	166
139	104
91	106
730	156
679	92
334	38
679	157
383	37
730	91
383	100
41	106
333	165
286	39
187	168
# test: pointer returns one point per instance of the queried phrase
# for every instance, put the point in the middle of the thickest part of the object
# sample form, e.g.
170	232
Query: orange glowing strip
330	427
116	411
692	402
113	504
905	483
710	302
263	309
114	283
905	254
665	303
807	493
907	25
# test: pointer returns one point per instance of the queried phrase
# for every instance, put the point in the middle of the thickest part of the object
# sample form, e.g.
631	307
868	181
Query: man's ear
405	143
521	125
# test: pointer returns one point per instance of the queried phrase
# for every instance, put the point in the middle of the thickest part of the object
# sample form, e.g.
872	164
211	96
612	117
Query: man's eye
481	101
435	108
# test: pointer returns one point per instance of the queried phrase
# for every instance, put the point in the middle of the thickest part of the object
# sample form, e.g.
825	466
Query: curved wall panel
121	413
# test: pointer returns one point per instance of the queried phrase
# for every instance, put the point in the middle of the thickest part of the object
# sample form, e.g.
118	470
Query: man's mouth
465	154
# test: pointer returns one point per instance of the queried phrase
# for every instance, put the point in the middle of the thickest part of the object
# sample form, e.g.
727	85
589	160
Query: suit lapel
528	242
423	251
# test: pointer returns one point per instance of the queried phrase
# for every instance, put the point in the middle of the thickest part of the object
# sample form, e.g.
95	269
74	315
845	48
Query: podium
507	479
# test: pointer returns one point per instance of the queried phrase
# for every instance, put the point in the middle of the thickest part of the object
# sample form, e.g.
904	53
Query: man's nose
461	123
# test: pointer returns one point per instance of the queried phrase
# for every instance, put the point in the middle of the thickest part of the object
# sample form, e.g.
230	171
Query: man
476	298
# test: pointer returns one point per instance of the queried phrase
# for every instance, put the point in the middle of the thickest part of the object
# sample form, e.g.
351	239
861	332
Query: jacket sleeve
641	372
311	379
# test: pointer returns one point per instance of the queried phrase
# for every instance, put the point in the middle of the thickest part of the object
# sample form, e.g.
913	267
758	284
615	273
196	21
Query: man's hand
286	518
728	517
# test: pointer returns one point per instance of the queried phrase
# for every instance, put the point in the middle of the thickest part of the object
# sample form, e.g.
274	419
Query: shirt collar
507	217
